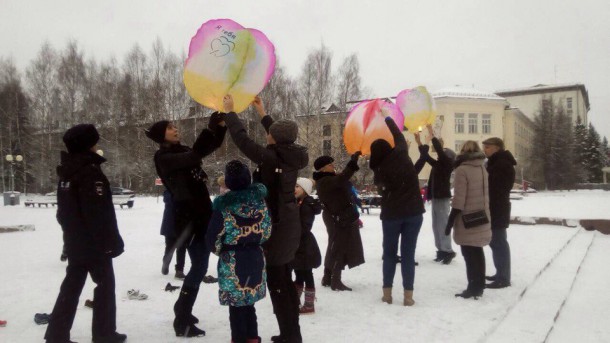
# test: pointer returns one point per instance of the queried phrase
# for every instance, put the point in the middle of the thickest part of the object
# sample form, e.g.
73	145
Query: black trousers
243	323
475	267
180	252
285	302
104	308
304	278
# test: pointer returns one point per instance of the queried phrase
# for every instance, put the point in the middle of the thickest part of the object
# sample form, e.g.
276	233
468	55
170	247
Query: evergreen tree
605	153
580	141
593	155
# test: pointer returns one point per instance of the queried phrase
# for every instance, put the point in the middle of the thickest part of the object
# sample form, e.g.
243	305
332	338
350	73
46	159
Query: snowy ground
559	293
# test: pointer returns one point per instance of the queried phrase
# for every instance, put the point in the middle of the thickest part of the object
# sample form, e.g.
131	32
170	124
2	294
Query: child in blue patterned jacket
240	224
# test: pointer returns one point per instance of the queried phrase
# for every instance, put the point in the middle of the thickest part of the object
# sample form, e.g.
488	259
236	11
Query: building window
473	123
486	124
569	106
459	123
327	147
458	146
326	130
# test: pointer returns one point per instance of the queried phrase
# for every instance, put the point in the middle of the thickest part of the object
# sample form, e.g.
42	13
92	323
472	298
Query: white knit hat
306	184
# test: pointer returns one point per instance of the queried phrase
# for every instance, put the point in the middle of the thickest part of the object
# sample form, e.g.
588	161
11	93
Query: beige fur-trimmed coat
471	194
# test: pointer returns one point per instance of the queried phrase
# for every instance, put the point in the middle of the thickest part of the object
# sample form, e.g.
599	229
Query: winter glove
353	161
454	212
424	149
215	119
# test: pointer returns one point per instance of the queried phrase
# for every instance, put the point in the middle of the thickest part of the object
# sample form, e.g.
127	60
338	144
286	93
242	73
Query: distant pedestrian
471	196
501	169
91	236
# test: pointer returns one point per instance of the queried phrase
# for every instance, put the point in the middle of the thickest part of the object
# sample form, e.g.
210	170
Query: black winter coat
439	183
179	167
278	169
167	224
501	170
85	210
340	216
396	180
308	255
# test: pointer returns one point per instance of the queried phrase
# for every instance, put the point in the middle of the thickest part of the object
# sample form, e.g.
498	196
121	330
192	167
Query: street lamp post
12	160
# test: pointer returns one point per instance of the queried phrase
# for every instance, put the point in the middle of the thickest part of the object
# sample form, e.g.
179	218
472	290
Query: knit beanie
306	184
322	161
81	138
284	131
237	176
157	131
380	149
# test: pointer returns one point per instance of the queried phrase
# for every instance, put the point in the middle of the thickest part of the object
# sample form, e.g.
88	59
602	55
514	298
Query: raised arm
254	151
400	142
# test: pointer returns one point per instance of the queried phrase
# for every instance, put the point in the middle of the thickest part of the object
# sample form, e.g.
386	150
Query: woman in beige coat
471	195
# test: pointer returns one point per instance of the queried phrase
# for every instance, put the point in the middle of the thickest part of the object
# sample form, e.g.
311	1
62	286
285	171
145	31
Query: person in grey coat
470	195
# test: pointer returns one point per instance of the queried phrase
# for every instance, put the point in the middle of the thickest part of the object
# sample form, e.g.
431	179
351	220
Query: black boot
449	256
470	293
326	279
336	284
113	338
439	256
184	323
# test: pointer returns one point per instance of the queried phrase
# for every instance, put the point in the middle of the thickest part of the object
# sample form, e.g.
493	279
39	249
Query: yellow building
463	114
573	97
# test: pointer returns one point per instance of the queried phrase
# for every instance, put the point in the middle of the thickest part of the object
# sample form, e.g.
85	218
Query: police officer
86	214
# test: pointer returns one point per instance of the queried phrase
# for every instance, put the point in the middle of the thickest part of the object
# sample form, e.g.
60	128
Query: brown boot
387	295
308	306
408	301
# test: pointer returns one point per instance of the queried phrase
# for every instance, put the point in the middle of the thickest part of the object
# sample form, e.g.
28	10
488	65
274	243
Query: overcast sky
488	44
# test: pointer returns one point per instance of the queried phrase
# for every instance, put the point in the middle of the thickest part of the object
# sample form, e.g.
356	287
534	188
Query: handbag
479	217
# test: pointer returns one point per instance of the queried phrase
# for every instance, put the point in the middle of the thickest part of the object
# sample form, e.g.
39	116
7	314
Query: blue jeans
408	227
501	254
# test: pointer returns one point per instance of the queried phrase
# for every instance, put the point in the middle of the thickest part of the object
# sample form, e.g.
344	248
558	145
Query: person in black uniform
179	167
91	236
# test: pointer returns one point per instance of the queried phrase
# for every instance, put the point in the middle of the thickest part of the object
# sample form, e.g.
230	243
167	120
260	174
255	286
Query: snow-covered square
559	289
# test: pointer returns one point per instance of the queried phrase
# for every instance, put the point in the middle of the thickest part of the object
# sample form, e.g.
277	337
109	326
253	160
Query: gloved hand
215	119
424	149
454	212
448	228
353	161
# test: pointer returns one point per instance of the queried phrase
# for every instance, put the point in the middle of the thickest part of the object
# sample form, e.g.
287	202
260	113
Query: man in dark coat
179	167
278	167
401	209
340	216
439	192
501	169
91	236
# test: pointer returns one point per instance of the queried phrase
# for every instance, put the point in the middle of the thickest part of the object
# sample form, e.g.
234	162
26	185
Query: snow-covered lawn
556	270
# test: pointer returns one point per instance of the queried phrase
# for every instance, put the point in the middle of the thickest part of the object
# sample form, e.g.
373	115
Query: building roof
545	89
468	93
